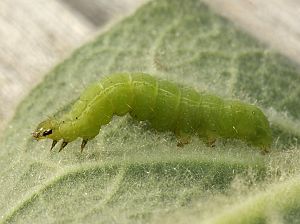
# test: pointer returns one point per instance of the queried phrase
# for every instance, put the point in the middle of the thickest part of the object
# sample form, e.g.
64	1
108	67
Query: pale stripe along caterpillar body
165	105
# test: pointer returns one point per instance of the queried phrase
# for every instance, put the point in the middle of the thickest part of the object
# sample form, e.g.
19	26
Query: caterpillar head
47	129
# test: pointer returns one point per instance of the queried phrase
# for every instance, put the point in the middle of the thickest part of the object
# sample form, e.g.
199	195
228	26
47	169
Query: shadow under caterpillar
166	105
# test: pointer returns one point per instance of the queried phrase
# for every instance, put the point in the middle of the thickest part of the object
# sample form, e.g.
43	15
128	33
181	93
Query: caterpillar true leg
84	141
53	144
64	144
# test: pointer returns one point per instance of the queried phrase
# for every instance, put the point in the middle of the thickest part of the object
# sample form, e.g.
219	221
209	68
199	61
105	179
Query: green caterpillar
165	105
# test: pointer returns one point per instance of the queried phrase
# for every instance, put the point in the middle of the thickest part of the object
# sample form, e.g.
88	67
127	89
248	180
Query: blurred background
37	34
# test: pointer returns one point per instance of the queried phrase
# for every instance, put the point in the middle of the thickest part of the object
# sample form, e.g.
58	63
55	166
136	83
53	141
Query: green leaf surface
132	174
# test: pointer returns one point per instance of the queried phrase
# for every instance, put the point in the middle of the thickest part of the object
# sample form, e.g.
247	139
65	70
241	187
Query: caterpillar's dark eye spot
76	118
47	132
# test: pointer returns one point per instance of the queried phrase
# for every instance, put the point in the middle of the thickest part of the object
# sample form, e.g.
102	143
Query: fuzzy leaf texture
131	174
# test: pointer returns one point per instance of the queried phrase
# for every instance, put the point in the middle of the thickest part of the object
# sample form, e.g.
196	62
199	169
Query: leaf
131	174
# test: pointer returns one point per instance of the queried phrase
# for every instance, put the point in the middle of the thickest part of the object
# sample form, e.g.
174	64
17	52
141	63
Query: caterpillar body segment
165	105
